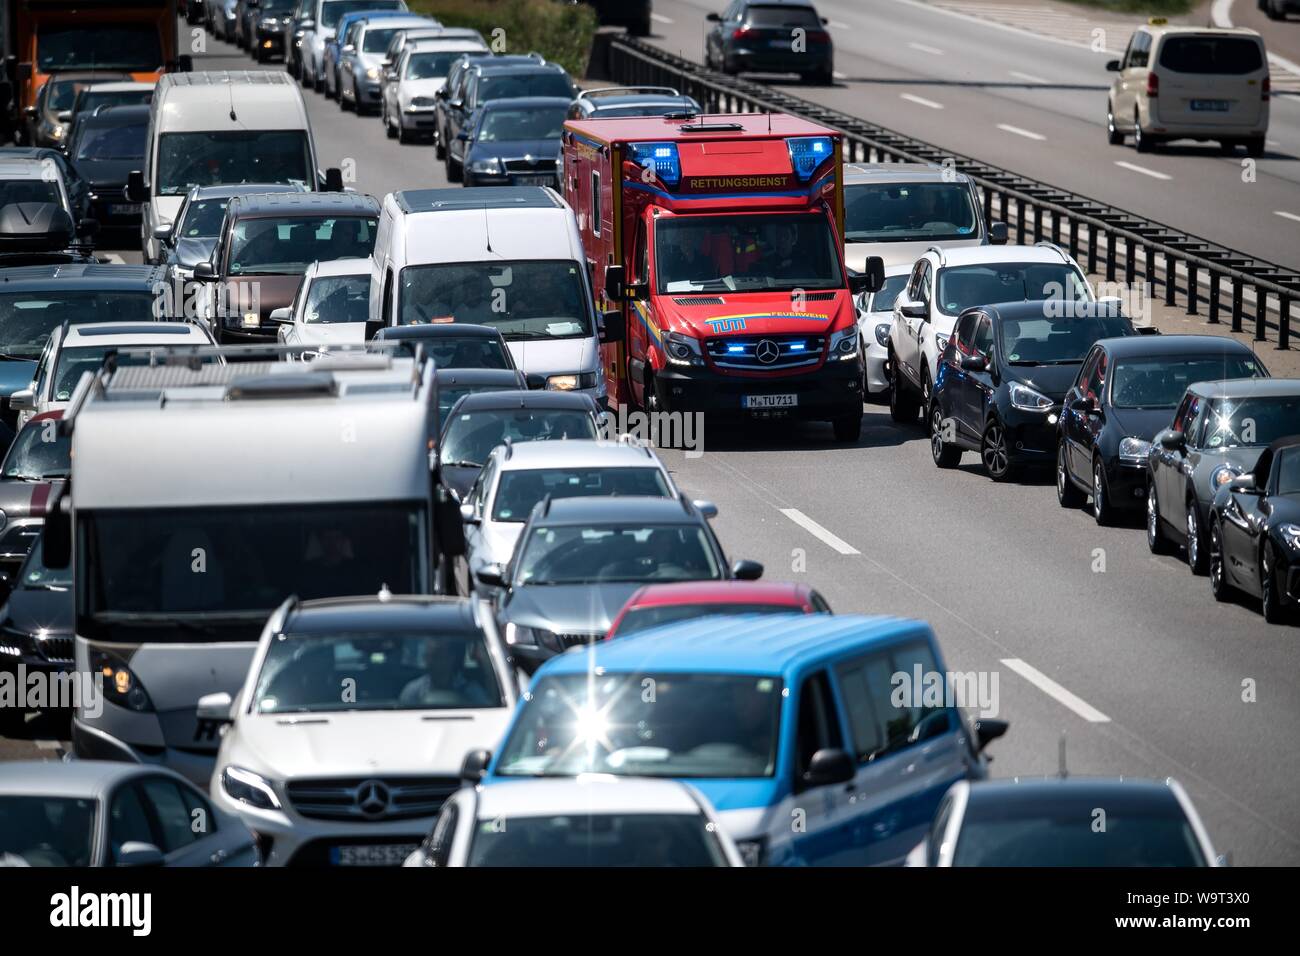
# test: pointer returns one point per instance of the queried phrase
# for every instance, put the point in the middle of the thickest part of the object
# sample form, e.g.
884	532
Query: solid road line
803	521
1054	690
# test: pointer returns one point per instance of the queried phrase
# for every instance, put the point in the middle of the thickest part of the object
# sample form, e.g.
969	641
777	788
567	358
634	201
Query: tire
927	387
455	170
903	405
1272	605
1114	135
1255	146
848	427
945	455
317	83
1198	558
1219	585
1068	494
1103	512
439	150
994	452
1272	11
1157	542
1141	142
641	28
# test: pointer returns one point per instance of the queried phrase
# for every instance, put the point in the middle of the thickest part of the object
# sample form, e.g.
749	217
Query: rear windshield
783	16
509	85
1211	54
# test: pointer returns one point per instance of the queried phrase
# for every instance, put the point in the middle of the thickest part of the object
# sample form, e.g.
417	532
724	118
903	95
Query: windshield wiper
35	477
10	357
462	463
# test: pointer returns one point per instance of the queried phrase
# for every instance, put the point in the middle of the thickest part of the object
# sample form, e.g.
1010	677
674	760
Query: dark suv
770	37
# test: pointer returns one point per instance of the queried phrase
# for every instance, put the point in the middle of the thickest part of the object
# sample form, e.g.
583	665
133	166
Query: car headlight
941	342
1291	535
119	684
372	73
268	23
250	788
1134	450
421	103
844	343
518	634
882	333
1025	398
751	851
57	131
1222	475
682	349
568	383
491	166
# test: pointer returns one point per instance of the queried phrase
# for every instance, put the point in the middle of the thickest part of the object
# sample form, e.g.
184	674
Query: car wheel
902	404
1255	146
848	427
1219	586
1113	135
1270	586
1068	494
455	171
1102	510
1197	556
1141	142
439	150
995	453
945	455
1156	540
927	387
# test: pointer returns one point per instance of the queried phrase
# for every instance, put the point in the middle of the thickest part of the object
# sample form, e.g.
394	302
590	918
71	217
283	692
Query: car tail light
1153	85
741	33
1264	90
819	36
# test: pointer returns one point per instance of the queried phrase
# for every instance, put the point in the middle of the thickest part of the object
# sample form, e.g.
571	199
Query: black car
1125	392
578	560
451	384
770	36
607	101
36	633
1255	532
633	14
1218	432
260	26
105	148
1002	377
91	98
453	344
453	91
480	421
515	142
303	17
78	188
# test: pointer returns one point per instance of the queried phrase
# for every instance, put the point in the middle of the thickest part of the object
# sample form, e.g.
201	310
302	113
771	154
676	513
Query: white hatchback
330	307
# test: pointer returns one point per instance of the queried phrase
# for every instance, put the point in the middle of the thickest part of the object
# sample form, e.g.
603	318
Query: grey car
1218	432
103	813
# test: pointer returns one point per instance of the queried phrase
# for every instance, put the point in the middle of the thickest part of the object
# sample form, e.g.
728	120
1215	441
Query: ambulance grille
699	300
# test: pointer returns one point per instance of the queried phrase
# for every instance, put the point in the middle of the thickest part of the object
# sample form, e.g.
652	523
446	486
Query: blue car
515	142
811	734
331	59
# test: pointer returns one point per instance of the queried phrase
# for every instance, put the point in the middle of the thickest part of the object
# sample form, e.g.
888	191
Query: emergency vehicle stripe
644	316
679	197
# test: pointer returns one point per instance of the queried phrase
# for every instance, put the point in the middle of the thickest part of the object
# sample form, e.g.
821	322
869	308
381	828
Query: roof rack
624	90
510	447
1051	245
546	505
938	250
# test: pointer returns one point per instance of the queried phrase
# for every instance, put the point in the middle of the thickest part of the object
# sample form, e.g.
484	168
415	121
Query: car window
983	340
1222	55
175	826
127	820
819	724
883	716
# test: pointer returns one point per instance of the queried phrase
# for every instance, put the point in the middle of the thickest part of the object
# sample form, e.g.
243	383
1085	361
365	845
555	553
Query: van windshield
694	725
178	574
134	47
909	212
220	158
531	299
746	253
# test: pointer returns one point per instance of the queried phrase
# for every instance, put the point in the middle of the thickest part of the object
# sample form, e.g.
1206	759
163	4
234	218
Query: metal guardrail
1109	239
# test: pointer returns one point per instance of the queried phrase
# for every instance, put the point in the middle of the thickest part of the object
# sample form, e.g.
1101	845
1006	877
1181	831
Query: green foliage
561	32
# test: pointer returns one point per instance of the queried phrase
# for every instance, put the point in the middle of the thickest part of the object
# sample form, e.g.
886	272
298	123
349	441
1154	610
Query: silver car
875	316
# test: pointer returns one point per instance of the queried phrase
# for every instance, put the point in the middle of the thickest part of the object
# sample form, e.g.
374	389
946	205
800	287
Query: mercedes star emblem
373	798
767	351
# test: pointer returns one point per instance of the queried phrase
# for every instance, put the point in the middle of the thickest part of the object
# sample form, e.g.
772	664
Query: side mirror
828	766
136	854
205	271
746	570
998	234
463	136
29	111
215	707
474	767
390	74
713	17
1112	66
612	329
349	48
708	509
870	279
636	291
535	380
492	575
1169	439
163	233
615	276
467	514
56	537
23	400
1083	404
974	363
456	104
911	309
988	730
136	190
333	180
1244	483
283	315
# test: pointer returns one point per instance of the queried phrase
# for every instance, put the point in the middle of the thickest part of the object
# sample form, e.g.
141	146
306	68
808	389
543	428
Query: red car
657	604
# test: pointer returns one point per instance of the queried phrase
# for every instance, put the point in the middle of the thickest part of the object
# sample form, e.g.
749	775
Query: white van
509	257
211	129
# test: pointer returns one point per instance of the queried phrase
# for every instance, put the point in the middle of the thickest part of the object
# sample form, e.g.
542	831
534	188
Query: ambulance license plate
769	401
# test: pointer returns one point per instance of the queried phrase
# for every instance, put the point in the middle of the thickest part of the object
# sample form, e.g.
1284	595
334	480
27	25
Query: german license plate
1210	106
124	209
535	180
769	401
385	854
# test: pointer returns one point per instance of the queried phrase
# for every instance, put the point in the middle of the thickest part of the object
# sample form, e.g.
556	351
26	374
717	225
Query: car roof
21	168
577	453
119	87
135	333
524	398
629	509
858	173
584	794
494	67
289	203
82	276
1022	311
1248	388
1116	794
342	267
742	644
722	592
514	102
979	255
74	778
227	190
478	376
476	197
382	613
1179	29
1151	346
432	43
117	115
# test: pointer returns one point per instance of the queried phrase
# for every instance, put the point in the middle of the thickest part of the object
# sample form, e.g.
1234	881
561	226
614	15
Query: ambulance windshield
746	253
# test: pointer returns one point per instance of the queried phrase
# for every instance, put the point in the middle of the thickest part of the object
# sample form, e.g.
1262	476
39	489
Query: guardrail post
1037	212
1130	257
1092	251
1171	277
1020	221
1284	322
988	206
1236	304
1192	288
1151	268
1214	298
1110	256
1074	238
1261	314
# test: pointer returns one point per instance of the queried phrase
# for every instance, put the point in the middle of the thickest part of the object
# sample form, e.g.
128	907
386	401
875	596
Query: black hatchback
1003	375
770	36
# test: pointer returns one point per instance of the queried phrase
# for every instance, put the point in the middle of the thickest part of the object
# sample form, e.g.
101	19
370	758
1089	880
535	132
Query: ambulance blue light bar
660	158
807	153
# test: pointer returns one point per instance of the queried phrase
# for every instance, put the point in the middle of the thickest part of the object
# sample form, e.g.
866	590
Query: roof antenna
487	233
231	94
1063	771
769	121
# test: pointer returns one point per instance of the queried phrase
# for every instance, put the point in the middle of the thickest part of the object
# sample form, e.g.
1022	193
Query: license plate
124	209
385	854
1210	106
782	44
535	180
769	401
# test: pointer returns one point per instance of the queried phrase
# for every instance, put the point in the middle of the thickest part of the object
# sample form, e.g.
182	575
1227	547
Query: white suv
946	282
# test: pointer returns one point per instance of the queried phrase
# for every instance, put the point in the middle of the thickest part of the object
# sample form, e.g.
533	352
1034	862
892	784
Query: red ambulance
715	246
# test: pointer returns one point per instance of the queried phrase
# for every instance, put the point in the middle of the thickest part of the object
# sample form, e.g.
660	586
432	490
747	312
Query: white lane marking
114	258
1142	169
932	50
1221	13
1027	77
660	18
803	521
1005	27
1027	134
837	25
48	745
920	100
1286	215
1054	690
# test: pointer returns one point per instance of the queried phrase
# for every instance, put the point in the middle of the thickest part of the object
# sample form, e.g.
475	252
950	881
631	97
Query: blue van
793	726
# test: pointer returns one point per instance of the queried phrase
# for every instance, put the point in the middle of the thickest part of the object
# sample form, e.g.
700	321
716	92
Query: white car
324	24
945	282
353	723
875	317
517	477
360	70
407	99
330	307
589	820
73	350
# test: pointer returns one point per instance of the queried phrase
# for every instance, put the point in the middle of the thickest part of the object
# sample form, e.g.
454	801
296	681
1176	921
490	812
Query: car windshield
532	299
582	554
430	66
28	318
332	11
961	287
380	670
61	94
746	253
909	212
46	831
520	489
132	47
471	435
104	143
883	301
35	576
643	618
29	190
221	158
1160	382
1062	340
449	395
39	453
80	359
92	98
507	86
467	351
693	725
598	839
271	246
1050	834
203	218
338	299
1223	55
1288	471
376	41
142	564
1237	422
522	124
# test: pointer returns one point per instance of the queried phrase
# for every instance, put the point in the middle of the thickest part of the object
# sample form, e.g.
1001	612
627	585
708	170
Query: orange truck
46	37
715	246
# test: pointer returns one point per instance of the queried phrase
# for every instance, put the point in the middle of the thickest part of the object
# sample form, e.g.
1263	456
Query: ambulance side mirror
870	279
614	278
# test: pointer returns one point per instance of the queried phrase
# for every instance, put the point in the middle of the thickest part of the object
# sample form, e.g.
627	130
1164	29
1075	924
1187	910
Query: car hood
753	313
570	608
107	173
273	291
23	499
1052	380
555	356
331	333
32	610
1142	423
412	88
516	149
190	252
359	743
15	374
894	253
